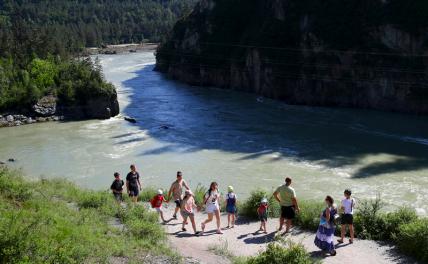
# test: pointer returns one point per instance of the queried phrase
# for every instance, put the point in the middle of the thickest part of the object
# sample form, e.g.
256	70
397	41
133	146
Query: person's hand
298	210
141	188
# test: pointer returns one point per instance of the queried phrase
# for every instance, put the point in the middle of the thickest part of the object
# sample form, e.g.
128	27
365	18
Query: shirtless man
177	192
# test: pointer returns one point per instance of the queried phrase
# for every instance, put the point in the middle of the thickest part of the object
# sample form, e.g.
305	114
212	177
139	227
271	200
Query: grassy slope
54	221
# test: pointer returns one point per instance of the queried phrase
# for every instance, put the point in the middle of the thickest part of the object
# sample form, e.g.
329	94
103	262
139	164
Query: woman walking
211	201
325	234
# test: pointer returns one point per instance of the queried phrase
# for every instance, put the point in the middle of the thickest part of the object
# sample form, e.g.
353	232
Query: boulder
46	106
10	118
130	119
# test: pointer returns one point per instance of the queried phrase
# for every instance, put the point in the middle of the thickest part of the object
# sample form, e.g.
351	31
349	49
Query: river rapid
233	138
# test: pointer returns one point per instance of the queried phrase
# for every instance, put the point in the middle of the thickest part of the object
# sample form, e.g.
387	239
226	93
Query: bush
148	193
199	194
309	215
371	223
92	199
276	253
412	239
13	186
249	206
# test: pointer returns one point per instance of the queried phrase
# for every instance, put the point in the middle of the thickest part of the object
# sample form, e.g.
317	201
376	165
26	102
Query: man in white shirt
347	218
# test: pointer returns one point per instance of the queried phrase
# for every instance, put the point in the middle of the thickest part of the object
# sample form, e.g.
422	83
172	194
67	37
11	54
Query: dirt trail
243	241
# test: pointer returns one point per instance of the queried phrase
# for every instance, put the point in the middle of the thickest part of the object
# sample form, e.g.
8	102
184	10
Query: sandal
219	232
351	241
184	229
340	241
203	227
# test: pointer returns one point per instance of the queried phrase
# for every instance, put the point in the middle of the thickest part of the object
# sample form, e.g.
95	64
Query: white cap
264	200
160	192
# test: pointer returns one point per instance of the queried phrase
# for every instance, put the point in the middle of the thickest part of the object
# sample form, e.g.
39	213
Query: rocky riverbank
18	120
49	109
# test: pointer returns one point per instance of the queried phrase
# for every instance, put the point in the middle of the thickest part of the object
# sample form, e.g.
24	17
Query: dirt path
243	241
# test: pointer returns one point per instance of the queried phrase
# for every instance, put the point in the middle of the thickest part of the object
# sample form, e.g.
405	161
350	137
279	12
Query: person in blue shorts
230	207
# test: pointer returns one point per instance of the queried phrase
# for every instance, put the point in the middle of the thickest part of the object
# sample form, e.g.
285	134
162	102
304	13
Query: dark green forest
39	40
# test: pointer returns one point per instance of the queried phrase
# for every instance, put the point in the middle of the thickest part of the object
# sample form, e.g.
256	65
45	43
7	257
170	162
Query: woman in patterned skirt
325	234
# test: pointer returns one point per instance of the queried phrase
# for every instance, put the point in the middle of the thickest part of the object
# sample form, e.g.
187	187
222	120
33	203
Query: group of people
285	195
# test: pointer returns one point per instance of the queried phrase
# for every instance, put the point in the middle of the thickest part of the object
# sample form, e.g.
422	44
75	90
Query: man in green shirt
286	196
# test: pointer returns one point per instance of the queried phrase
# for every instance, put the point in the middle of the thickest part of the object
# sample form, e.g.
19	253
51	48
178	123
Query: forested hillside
39	38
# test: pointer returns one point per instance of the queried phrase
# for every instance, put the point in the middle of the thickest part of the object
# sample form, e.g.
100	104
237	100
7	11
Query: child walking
187	211
156	202
230	207
117	187
262	211
347	219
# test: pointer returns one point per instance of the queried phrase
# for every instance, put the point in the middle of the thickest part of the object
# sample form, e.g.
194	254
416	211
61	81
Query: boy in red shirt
262	211
156	202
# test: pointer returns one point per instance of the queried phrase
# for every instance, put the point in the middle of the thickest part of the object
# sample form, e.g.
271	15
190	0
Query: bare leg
281	223
175	212
342	232
217	218
228	220
288	223
209	219
264	226
192	219
184	223
351	231
233	220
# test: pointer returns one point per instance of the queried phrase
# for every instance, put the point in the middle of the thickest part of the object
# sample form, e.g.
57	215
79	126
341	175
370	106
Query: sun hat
264	200
160	192
230	188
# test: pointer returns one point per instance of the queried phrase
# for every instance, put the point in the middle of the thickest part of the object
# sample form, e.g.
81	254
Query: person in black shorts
133	184
117	187
347	217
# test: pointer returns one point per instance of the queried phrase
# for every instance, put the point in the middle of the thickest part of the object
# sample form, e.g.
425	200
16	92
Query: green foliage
147	194
412	239
61	223
277	253
309	215
199	194
249	206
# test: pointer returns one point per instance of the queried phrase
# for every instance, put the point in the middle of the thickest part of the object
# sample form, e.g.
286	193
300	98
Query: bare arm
169	194
327	214
185	185
127	186
295	204
276	195
139	183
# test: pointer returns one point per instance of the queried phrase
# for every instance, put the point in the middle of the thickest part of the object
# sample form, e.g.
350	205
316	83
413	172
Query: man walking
286	196
177	192
133	184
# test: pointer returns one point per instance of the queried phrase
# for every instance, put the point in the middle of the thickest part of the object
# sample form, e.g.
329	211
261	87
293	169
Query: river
233	138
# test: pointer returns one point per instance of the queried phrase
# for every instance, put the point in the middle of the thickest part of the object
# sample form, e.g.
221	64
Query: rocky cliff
355	53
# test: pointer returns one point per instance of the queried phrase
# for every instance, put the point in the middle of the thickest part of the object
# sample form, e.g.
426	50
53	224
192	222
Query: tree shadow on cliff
190	119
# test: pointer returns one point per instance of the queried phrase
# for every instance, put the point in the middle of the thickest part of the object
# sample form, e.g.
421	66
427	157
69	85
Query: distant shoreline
121	48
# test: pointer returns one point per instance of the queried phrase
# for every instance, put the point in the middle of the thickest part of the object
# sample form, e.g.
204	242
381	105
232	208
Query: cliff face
365	53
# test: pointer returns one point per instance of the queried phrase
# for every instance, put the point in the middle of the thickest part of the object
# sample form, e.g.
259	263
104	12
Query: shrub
309	215
13	186
147	194
199	194
91	199
292	253
249	206
412	239
368	222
